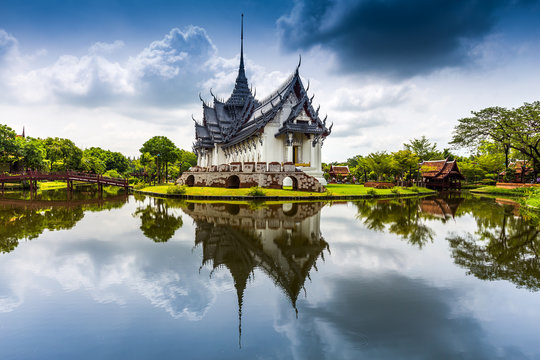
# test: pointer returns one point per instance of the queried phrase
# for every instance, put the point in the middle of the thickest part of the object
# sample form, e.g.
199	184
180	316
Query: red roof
440	169
343	170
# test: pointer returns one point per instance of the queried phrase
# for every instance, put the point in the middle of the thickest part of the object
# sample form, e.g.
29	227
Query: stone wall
238	175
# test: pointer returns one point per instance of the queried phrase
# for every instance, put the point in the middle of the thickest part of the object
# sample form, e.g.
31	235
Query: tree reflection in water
505	246
24	219
158	223
284	241
402	217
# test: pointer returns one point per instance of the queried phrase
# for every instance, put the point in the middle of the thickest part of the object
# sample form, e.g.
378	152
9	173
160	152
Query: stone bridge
248	174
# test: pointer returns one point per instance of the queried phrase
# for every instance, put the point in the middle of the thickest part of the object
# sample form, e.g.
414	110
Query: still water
131	277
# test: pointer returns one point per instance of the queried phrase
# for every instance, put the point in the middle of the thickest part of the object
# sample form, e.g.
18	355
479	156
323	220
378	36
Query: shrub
415	189
176	190
112	174
372	192
488	182
394	191
256	191
140	186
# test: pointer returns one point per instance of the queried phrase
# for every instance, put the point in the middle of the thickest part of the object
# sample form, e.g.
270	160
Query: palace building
283	128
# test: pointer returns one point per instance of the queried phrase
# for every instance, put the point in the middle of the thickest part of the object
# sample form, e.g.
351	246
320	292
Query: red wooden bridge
69	177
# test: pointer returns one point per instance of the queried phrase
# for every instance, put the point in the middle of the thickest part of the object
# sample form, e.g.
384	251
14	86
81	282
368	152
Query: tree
380	163
8	144
423	148
405	160
33	153
163	151
491	124
62	154
111	160
186	159
92	164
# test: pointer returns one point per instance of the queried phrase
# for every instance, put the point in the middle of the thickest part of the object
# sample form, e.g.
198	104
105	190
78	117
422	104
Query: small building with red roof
441	174
339	170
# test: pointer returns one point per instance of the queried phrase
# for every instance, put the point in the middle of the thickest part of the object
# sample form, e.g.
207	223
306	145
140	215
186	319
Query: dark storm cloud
393	37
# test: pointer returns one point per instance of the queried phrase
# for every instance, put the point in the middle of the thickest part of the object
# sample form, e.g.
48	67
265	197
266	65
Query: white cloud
93	80
106	48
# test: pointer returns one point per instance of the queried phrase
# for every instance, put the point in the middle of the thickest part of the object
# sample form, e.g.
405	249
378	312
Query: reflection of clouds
388	317
116	271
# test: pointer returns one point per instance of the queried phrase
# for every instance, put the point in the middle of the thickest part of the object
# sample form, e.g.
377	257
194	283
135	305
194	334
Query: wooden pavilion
339	170
441	174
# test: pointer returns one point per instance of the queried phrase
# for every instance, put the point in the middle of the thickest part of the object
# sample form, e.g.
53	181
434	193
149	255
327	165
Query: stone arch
290	181
233	182
190	181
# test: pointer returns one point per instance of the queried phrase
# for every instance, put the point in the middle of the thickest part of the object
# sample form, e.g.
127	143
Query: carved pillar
313	159
289	147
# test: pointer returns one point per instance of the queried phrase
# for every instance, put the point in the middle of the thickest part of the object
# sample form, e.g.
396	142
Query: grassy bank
493	190
332	190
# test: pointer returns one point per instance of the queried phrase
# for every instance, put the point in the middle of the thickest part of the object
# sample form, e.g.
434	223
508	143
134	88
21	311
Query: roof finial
242	43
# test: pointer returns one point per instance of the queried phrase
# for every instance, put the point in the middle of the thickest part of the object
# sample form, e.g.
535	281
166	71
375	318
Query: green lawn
333	189
348	189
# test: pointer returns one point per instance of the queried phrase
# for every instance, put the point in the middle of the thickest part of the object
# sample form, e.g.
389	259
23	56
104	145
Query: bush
372	192
415	189
112	174
394	191
140	186
488	182
176	190
133	180
256	191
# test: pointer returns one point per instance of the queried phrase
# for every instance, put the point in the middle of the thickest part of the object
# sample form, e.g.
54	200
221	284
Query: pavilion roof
440	169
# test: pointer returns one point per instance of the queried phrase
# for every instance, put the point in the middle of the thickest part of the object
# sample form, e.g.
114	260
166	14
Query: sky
115	73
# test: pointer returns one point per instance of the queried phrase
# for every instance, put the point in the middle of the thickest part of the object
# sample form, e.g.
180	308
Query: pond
447	277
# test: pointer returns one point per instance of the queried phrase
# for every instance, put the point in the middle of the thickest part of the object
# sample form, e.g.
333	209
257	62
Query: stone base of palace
248	174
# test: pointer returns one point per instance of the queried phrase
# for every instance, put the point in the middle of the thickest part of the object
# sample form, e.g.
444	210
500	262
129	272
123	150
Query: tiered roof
440	169
242	116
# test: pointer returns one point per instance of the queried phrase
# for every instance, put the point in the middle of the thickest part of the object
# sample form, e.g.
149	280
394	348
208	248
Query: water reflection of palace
284	241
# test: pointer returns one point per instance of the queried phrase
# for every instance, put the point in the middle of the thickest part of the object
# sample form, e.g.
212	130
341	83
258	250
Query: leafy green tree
517	129
423	148
33	153
92	164
111	160
404	161
381	163
8	143
63	154
163	151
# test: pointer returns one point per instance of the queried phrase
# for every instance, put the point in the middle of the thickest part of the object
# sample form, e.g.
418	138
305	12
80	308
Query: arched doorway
290	183
190	181
233	182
